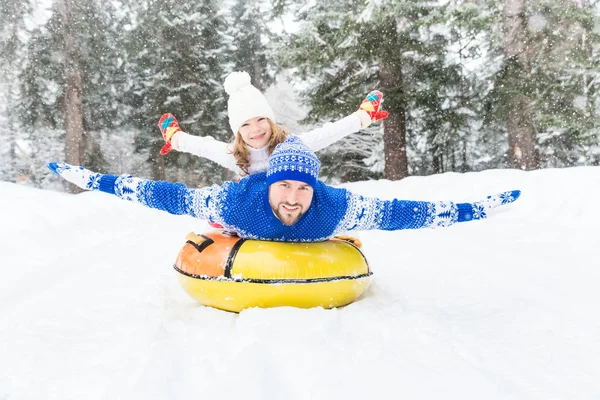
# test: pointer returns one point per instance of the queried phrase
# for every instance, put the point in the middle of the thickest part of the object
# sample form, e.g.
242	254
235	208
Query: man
287	203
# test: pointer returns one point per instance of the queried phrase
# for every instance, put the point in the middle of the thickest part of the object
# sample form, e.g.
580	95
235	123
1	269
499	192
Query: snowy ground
505	308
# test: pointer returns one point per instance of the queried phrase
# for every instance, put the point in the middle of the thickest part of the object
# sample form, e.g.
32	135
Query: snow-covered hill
504	308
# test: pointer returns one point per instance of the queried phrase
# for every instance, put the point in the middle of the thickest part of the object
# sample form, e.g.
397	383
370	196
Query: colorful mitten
478	210
168	127
84	178
371	105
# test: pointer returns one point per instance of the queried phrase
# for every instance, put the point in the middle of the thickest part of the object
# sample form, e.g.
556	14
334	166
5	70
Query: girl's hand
371	105
168	127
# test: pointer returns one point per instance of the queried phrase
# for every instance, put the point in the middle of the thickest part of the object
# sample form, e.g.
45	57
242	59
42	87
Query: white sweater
220	152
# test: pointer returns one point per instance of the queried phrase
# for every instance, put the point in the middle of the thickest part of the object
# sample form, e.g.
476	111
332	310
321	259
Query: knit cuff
175	139
365	118
465	212
107	184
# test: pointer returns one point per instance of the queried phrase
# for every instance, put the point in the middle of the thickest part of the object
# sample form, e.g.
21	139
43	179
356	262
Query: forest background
469	84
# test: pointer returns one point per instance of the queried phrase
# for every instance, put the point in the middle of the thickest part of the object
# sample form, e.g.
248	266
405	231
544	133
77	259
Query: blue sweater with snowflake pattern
244	207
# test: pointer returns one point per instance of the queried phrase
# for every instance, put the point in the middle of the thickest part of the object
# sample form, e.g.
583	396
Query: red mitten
371	105
168	127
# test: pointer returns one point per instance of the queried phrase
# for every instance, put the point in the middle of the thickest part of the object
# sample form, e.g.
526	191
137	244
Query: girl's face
256	132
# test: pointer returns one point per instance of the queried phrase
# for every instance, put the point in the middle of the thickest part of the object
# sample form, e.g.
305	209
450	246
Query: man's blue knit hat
293	160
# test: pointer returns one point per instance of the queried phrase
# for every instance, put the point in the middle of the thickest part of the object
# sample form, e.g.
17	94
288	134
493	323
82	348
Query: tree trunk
73	112
519	120
437	159
9	78
11	135
394	127
158	168
256	75
464	167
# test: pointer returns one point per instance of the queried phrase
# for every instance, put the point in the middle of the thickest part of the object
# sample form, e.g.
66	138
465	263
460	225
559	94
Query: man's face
289	200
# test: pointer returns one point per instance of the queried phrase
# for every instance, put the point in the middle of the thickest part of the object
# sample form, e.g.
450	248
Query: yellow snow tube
231	273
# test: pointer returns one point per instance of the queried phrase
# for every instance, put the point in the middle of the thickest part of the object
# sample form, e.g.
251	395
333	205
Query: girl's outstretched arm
331	132
202	146
207	147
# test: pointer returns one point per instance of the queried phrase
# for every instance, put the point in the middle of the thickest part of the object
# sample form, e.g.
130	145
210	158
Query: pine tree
559	81
566	49
68	79
249	37
12	25
177	61
286	104
517	69
349	48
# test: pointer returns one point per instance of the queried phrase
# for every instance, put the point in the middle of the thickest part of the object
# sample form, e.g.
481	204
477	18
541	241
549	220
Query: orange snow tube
231	273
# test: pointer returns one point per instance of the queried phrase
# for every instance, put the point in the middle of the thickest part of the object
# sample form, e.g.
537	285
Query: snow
504	308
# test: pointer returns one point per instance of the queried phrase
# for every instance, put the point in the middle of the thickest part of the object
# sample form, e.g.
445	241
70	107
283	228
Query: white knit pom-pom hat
245	101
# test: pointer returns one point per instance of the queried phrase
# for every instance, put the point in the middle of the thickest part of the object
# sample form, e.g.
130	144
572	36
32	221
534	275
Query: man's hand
84	178
371	105
479	210
168	127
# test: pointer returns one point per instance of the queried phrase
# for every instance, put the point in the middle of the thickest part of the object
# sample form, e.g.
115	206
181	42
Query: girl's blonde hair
242	154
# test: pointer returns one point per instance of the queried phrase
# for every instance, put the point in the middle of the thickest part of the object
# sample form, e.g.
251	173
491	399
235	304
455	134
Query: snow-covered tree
555	71
566	48
177	63
13	14
68	79
286	103
348	48
249	35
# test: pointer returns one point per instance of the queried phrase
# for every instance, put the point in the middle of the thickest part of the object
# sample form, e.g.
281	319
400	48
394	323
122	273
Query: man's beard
285	218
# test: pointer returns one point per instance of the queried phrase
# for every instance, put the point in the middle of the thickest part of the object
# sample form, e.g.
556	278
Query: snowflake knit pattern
244	207
293	160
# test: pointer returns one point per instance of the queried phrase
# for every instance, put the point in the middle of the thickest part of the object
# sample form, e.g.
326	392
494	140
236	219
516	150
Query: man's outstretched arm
366	213
175	198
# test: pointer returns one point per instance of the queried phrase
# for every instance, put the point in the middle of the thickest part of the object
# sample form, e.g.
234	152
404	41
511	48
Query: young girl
252	121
